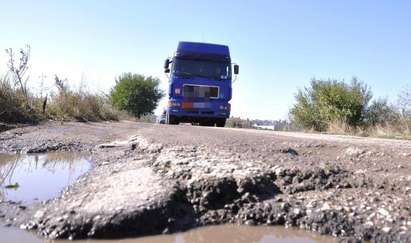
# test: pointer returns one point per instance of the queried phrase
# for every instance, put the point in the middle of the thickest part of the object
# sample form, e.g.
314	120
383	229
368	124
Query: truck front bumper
209	109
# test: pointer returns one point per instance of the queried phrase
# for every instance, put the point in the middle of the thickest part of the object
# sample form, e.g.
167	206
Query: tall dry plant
18	70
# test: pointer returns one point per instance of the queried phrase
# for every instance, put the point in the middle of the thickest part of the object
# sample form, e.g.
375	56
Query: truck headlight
177	91
173	104
223	107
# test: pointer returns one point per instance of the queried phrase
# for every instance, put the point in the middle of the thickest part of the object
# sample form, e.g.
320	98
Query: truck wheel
172	120
221	122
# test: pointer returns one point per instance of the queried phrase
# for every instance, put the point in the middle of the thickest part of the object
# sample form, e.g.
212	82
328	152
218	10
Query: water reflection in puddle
31	178
211	234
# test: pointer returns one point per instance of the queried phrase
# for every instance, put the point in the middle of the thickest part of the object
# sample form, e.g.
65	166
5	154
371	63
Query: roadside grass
394	130
19	104
13	106
150	118
82	106
397	131
67	104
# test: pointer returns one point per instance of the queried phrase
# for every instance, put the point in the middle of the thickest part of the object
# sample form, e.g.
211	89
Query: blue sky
279	45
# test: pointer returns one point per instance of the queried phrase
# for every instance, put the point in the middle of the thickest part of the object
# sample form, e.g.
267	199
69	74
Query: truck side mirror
166	65
236	69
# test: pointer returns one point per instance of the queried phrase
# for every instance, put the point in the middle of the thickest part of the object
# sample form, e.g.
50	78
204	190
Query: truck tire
171	120
220	122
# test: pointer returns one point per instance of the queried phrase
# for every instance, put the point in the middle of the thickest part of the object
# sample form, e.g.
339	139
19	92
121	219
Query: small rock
166	231
325	206
249	222
289	151
285	206
383	212
279	171
353	151
39	214
297	211
133	146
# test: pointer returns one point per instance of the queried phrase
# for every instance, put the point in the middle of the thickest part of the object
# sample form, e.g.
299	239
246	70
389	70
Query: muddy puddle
211	234
34	178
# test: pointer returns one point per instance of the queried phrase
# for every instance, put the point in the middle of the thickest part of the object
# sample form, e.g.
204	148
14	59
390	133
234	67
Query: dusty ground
158	179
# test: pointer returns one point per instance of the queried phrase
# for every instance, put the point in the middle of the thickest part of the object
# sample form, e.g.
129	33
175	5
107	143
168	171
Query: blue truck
199	84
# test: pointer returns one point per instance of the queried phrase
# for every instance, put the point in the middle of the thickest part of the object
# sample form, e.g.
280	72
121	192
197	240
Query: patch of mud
222	233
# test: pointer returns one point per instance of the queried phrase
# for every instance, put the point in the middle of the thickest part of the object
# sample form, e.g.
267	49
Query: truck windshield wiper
202	76
185	73
197	75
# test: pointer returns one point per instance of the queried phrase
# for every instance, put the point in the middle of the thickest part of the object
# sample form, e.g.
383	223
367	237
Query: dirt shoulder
64	136
174	178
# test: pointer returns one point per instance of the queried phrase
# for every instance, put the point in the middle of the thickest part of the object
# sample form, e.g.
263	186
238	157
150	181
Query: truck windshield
199	68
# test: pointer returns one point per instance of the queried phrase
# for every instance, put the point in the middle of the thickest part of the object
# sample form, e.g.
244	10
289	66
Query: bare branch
18	73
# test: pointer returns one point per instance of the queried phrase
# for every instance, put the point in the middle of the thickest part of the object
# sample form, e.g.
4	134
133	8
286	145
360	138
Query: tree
136	94
327	101
381	113
404	106
404	102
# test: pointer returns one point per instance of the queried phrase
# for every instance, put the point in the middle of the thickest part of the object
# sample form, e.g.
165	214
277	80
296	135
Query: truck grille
196	91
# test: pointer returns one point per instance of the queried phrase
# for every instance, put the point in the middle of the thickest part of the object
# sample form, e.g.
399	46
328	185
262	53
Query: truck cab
199	84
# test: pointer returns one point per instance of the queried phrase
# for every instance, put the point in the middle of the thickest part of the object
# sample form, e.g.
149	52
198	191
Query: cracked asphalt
151	179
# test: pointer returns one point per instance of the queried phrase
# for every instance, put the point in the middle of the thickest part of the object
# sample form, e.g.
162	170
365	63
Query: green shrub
331	101
136	94
380	113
